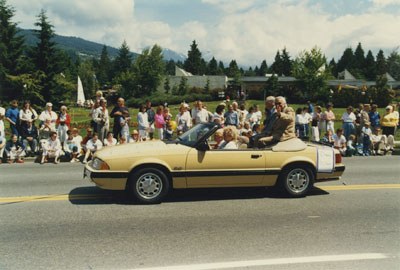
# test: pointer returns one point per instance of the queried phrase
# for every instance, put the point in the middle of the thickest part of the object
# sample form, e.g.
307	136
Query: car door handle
256	156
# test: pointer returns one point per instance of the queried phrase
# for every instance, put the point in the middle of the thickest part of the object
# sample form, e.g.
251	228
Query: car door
225	168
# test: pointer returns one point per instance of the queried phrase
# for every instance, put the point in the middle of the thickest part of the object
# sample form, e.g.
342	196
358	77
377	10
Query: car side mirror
203	146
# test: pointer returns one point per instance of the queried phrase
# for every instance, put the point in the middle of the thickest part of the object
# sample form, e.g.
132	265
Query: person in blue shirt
12	116
374	117
310	107
231	117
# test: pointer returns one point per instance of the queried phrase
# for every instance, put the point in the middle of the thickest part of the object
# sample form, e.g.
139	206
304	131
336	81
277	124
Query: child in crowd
110	140
122	140
124	122
351	150
52	149
245	129
169	133
256	129
15	150
327	139
167	115
70	147
160	122
366	134
92	146
78	140
340	141
134	137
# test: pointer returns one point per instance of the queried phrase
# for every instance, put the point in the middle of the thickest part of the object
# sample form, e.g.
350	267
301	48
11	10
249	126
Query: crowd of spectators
363	131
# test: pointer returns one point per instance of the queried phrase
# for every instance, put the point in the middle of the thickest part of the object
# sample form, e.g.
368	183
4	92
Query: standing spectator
110	140
366	134
210	114
29	135
374	118
340	141
316	124
218	116
12	116
329	118
167	115
231	117
102	119
377	142
258	113
363	117
388	123
251	117
2	146
396	113
124	122
92	146
71	149
99	95
116	113
201	115
150	115
195	110
15	150
300	124
310	108
52	149
183	119
143	121
307	117
45	131
242	113
64	123
348	121
160	122
49	114
27	114
2	129
357	125
93	123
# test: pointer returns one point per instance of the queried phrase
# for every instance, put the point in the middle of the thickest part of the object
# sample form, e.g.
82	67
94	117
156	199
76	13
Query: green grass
80	117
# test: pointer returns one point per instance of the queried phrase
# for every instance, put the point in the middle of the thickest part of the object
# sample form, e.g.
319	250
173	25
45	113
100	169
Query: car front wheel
148	185
297	181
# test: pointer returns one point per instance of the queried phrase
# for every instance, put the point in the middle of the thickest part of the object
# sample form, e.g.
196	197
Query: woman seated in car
230	138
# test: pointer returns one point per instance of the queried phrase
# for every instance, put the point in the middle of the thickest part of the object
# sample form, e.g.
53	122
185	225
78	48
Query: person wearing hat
48	114
134	137
366	134
388	124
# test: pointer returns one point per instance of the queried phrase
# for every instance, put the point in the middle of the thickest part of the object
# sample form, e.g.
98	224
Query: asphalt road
61	221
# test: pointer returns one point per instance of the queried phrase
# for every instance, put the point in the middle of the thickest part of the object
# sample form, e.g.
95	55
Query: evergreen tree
207	87
221	68
346	61
167	86
182	88
263	69
333	67
272	86
170	67
277	66
381	66
124	59
256	71
287	63
194	63
250	72
393	64
370	67
359	57
234	73
212	68
103	70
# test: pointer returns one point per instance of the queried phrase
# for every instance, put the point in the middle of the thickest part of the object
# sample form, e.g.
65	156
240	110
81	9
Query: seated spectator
52	149
134	137
230	138
218	138
366	134
245	129
110	140
92	146
256	129
15	150
86	139
78	140
2	147
351	150
71	147
377	142
169	132
340	141
49	114
327	139
29	135
122	140
45	131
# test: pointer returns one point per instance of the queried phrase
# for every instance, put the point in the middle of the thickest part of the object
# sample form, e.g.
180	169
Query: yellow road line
64	197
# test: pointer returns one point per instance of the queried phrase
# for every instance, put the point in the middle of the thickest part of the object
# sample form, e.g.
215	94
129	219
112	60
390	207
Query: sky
248	31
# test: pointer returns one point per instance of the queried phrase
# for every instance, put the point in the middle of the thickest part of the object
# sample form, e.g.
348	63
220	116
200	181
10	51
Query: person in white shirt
301	122
102	120
2	115
110	140
246	129
200	115
44	132
316	123
258	113
230	138
27	113
134	137
78	140
366	134
70	147
340	141
183	119
143	121
242	113
377	142
52	149
349	122
49	114
124	122
92	146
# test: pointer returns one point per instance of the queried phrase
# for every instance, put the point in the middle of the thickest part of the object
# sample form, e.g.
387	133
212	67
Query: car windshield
191	136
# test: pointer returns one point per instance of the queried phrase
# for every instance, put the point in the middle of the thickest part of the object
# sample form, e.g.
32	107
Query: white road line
279	261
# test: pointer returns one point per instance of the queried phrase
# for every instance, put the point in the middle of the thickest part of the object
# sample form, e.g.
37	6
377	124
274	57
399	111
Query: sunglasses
278	103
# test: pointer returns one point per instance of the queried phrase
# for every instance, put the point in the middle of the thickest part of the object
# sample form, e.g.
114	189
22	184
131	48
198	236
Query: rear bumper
337	173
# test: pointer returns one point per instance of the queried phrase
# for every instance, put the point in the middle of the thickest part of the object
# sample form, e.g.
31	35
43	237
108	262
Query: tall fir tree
263	68
103	71
212	68
359	57
346	61
381	66
123	60
194	63
277	66
221	68
287	63
167	86
333	67
393	65
170	67
370	67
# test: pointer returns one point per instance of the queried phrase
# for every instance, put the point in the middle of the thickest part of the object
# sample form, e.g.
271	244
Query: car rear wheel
297	181
148	185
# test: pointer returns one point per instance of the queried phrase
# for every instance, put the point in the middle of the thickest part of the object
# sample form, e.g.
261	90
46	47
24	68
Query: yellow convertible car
149	170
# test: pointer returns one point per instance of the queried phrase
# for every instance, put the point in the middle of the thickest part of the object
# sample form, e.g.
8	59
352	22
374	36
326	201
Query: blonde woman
64	122
230	138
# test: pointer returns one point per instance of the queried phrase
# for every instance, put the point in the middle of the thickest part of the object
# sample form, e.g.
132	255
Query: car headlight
98	164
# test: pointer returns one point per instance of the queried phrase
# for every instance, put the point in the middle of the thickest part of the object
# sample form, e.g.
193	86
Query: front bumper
106	179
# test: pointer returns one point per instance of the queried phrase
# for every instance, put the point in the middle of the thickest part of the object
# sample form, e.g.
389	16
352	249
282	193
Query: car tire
148	185
297	180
